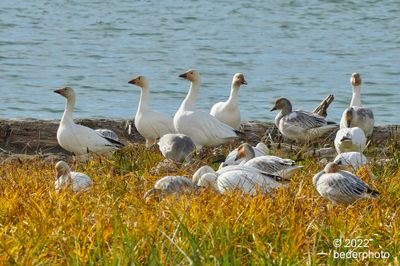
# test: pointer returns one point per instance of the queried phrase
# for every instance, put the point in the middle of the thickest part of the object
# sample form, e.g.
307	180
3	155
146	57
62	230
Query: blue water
284	48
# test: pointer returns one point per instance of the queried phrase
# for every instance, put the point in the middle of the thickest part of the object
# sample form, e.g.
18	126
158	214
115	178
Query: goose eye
191	73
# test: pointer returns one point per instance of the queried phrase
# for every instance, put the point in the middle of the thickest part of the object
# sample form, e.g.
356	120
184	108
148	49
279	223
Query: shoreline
38	137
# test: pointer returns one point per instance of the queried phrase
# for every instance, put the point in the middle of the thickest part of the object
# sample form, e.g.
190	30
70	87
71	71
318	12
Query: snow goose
355	160
341	186
203	128
64	178
171	185
300	126
231	159
177	147
150	124
350	138
272	165
228	112
361	117
78	139
239	178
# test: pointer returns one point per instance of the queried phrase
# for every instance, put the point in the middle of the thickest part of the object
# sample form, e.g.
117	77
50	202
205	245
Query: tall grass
112	225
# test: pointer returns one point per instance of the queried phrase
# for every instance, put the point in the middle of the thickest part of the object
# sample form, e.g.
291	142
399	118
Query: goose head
62	168
208	180
67	92
140	81
333	167
348	116
246	151
355	80
282	104
200	172
238	79
191	75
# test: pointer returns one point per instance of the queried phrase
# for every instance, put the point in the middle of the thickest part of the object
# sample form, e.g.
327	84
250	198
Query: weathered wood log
322	108
39	137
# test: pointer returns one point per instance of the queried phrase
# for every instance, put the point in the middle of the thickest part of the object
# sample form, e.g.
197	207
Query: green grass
112	225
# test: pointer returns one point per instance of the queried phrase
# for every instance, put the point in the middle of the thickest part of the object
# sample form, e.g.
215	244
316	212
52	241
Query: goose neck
356	99
144	98
69	108
190	101
234	94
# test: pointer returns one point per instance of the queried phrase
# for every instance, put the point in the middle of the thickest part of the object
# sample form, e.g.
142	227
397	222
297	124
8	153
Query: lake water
284	48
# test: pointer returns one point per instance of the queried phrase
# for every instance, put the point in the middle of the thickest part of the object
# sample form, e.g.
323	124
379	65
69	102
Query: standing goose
64	178
300	126
350	138
341	186
150	124
361	117
203	128
228	112
272	165
78	139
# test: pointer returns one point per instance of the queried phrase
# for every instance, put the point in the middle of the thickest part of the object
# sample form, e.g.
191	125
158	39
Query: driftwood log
39	137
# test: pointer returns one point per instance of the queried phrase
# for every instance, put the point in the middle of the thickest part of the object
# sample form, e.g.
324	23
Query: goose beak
184	75
244	82
59	91
273	109
133	81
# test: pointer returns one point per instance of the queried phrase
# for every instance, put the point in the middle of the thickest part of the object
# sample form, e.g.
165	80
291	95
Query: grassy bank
112	224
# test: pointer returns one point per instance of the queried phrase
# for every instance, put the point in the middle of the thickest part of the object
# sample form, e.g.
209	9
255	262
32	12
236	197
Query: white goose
272	165
246	179
64	178
228	112
78	139
341	186
203	128
354	160
231	159
177	147
300	126
150	124
350	138
171	185
361	117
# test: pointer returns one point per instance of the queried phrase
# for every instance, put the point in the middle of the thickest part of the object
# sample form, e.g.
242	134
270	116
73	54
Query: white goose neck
356	99
144	98
189	103
69	108
64	180
234	94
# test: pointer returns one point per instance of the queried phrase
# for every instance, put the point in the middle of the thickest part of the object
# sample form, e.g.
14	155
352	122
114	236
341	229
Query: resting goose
272	165
64	178
350	138
177	147
241	178
231	159
171	185
78	139
203	128
228	112
150	124
361	117
341	186
300	126
354	160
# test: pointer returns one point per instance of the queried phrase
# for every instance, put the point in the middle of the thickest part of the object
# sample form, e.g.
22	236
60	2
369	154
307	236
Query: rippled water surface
284	48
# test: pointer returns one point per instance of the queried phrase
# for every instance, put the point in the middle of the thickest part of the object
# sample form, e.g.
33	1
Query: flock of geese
247	168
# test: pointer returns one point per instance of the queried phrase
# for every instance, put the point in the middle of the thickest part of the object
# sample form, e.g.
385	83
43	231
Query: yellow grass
113	225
